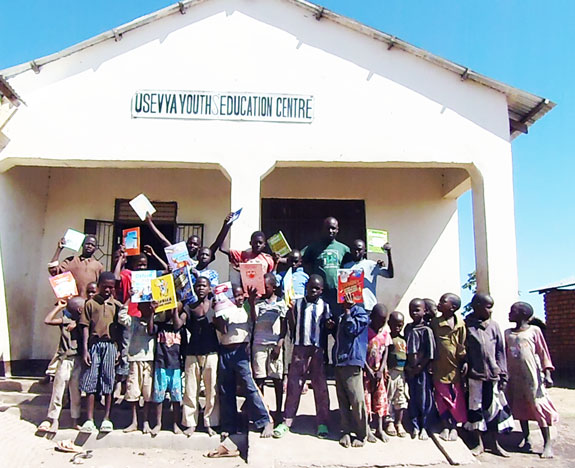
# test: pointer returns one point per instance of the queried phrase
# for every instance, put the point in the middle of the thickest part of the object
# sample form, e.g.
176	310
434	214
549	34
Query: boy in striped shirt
307	321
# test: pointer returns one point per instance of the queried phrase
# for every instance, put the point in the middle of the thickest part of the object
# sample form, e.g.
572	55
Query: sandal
88	427
106	426
68	446
280	430
222	452
322	431
390	430
44	426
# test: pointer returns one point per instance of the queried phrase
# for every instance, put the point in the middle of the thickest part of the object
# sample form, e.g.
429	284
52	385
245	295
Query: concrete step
165	440
24	384
19	398
36	413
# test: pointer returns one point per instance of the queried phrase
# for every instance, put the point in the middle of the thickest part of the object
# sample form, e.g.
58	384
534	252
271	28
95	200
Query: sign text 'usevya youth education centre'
208	105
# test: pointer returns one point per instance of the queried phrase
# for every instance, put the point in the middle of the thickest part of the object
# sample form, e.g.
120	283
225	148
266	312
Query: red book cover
64	285
349	280
131	240
253	276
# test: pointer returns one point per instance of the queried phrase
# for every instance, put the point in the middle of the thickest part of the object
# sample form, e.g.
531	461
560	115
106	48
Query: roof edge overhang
524	108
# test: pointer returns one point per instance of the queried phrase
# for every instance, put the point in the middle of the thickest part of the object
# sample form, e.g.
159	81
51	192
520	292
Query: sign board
209	105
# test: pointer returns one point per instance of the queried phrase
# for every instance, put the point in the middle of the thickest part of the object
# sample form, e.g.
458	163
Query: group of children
438	368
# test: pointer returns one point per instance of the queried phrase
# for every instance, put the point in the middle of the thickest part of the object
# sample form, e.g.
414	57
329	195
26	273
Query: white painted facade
405	135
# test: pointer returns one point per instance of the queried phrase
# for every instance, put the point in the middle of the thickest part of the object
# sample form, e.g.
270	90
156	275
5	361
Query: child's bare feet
547	451
444	434
177	429
345	441
497	450
382	435
210	431
358	443
156	430
146	428
132	427
371	438
389	429
267	431
525	445
400	430
478	449
190	431
423	435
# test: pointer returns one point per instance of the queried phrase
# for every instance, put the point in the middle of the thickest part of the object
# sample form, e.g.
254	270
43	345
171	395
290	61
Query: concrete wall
408	203
23	200
71	196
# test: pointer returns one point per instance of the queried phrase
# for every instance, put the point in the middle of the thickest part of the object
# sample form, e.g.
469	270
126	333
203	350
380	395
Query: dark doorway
301	220
164	219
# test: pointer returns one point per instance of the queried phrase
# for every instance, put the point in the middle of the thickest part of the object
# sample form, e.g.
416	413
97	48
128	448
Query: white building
354	114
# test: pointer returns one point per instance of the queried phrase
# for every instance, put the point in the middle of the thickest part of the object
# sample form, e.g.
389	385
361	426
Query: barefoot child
69	364
268	313
99	325
140	355
529	365
371	271
201	362
307	320
449	366
167	327
234	330
375	369
487	377
420	353
349	358
397	358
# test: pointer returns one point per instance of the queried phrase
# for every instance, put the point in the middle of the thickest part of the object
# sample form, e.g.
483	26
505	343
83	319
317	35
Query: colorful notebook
376	239
223	297
131	240
349	280
142	285
184	285
164	293
253	276
279	244
178	256
64	285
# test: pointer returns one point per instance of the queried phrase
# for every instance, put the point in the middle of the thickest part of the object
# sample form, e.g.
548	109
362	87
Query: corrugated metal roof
565	283
524	108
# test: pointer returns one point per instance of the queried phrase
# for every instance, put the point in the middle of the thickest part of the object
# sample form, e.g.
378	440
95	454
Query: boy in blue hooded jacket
349	358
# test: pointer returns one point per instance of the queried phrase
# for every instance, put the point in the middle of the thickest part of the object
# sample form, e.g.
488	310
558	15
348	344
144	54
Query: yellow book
279	244
164	293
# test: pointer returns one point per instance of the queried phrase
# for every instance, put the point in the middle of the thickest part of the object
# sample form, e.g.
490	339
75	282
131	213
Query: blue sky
525	43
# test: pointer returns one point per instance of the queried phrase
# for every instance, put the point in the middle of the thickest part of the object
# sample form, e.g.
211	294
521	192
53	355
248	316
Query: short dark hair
317	277
257	234
106	276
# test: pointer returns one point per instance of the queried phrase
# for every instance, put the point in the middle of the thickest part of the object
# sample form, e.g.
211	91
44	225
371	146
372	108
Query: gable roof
524	108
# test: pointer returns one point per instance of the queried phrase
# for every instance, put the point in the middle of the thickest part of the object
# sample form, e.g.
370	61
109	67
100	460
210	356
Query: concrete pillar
245	194
494	229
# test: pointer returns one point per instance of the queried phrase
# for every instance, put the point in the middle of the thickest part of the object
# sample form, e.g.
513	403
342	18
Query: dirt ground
20	448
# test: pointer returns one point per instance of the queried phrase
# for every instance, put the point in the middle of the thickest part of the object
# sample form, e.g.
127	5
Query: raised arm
252	295
122	259
221	237
178	319
355	320
156	231
53	265
51	318
150	252
386	272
